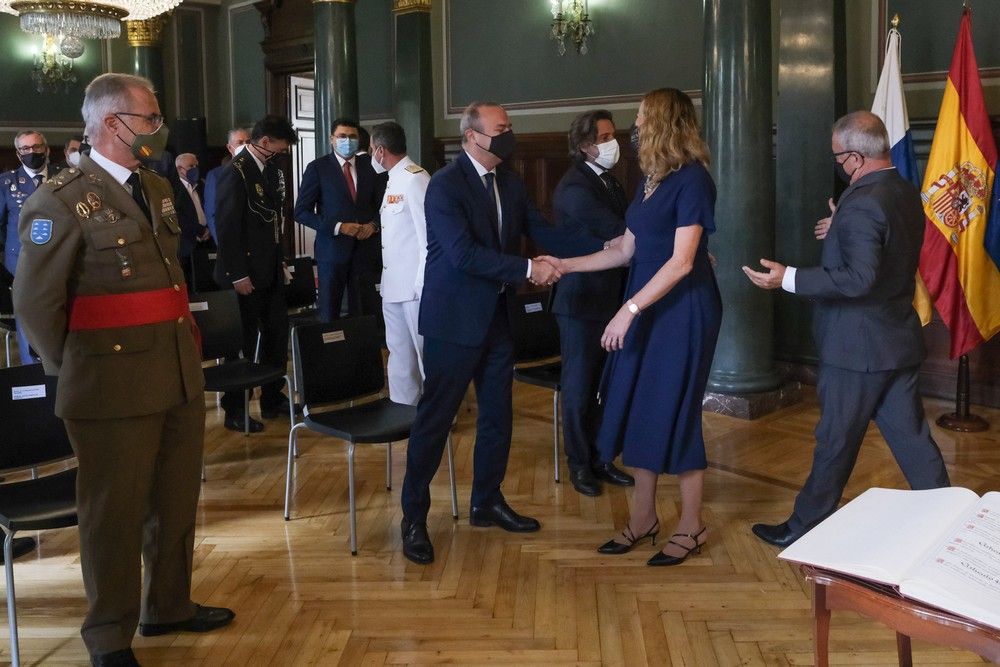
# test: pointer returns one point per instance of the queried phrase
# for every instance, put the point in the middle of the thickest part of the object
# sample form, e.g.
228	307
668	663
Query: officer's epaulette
63	177
414	168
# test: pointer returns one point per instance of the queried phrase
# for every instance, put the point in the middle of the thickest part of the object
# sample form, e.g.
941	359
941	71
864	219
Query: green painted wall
373	23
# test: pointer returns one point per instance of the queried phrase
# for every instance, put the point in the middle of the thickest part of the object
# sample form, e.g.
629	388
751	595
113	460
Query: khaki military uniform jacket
99	242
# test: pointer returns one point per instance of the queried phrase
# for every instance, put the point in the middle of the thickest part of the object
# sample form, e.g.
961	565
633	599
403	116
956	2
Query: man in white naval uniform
404	250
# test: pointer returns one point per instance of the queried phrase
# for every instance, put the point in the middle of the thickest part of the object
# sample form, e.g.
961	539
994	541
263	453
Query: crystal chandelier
53	68
86	19
571	19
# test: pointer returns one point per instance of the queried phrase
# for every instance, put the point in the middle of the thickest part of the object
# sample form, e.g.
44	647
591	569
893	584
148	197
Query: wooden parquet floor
491	597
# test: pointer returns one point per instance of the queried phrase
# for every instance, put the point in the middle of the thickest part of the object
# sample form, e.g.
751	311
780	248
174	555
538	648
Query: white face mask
73	159
376	165
608	154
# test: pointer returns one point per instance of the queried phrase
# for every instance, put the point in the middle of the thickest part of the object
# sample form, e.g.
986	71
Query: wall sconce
571	20
53	67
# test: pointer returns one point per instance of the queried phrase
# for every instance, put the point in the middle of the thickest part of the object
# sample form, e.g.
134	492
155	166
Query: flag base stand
961	419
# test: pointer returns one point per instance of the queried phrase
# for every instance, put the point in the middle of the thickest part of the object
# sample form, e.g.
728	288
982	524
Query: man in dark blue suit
476	214
338	197
866	329
588	198
17	185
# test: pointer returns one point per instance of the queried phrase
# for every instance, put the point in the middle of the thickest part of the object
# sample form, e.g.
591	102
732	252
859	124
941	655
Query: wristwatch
632	308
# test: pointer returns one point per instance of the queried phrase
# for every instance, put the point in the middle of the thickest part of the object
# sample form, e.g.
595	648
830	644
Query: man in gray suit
866	330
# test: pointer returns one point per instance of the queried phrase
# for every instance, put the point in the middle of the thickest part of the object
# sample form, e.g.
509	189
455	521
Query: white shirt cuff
788	280
529	269
336	228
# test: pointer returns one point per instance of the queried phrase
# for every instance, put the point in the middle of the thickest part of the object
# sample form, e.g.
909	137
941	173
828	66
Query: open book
940	547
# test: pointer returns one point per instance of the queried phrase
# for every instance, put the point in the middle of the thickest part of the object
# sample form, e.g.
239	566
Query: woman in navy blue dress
662	340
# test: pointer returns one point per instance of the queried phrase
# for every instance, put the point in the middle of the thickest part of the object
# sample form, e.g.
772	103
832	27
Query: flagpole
961	419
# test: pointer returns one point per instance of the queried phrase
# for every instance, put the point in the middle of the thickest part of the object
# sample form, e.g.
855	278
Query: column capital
404	6
148	32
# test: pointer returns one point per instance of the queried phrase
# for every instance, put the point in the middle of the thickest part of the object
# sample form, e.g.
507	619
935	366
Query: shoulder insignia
41	231
414	168
63	177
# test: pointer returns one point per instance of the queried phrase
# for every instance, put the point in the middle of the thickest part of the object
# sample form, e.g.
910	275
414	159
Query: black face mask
34	161
85	148
502	145
634	137
838	168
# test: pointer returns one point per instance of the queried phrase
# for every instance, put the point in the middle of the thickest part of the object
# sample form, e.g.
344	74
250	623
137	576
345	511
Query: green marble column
413	86
336	68
736	110
812	79
146	39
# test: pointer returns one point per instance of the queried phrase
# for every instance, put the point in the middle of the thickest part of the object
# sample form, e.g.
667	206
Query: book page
882	533
962	572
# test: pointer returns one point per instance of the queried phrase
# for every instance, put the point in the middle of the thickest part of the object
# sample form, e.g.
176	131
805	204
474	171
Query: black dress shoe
122	658
780	535
500	514
204	619
612	475
236	423
584	482
661	559
616	548
416	542
21	546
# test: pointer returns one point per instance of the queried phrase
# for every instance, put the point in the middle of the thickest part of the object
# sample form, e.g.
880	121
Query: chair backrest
301	292
534	328
202	269
337	361
6	305
32	434
217	315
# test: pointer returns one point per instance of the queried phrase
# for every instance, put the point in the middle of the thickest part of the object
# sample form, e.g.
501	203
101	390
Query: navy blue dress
653	387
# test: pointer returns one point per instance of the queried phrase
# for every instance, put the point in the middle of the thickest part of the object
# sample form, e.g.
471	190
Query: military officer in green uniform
102	297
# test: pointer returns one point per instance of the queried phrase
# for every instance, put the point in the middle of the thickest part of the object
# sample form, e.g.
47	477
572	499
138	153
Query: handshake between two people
547	270
359	230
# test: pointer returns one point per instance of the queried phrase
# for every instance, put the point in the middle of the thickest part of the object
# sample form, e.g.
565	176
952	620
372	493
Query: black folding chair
32	436
217	315
536	343
341	362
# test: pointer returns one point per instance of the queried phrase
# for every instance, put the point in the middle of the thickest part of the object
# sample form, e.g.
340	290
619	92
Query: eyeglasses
33	148
154	119
836	155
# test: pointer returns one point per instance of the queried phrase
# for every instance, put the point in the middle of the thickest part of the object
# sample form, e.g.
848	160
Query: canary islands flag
959	273
890	106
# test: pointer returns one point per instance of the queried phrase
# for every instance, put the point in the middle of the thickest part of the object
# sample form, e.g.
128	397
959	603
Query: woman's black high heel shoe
661	558
617	548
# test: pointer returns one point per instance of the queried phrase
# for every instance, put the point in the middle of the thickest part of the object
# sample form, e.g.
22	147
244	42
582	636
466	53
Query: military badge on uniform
13	188
167	207
82	210
21	181
260	189
41	231
93	200
393	199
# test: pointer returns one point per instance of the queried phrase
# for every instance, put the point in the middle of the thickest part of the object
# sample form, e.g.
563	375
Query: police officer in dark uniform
101	296
248	220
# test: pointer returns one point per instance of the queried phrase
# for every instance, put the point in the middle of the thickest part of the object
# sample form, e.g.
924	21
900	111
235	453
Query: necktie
492	197
350	182
37	178
616	190
136	186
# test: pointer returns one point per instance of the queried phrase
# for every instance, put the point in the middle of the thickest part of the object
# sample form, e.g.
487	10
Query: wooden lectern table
909	618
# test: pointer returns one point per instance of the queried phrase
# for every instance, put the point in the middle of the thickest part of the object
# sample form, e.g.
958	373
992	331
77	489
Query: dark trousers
137	496
356	274
849	400
448	368
582	362
263	310
333	278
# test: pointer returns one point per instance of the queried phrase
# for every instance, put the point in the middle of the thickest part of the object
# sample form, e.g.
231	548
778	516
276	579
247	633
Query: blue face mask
346	147
192	176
